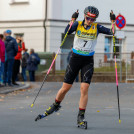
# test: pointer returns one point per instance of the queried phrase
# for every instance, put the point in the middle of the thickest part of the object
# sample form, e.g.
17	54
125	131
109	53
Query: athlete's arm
73	28
104	30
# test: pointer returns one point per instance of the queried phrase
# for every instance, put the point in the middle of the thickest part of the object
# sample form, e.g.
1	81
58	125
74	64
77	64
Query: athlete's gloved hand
74	16
112	16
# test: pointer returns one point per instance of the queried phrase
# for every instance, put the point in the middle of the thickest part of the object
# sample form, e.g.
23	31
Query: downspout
45	32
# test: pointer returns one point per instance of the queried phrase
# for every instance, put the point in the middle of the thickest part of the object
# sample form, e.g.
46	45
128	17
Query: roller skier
85	40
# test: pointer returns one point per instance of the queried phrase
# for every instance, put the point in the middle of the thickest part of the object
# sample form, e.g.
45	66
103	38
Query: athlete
86	33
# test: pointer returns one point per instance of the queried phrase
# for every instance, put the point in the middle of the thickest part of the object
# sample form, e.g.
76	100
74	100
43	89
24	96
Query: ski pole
116	70
52	63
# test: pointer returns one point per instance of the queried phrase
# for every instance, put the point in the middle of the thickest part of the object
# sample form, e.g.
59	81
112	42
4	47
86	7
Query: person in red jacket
2	58
18	57
23	44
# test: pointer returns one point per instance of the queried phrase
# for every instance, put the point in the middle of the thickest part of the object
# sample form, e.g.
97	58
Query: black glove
75	15
112	16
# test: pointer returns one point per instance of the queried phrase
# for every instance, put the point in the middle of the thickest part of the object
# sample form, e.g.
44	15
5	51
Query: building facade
42	23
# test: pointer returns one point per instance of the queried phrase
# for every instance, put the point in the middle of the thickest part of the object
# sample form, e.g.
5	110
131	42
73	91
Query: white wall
33	10
55	9
33	33
129	41
63	9
125	7
54	33
11	16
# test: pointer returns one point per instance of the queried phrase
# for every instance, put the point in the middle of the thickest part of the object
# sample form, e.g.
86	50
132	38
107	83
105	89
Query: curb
25	86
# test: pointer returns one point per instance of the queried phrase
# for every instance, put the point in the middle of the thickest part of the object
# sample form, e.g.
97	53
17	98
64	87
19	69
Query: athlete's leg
62	92
86	76
70	75
59	97
56	105
84	95
82	105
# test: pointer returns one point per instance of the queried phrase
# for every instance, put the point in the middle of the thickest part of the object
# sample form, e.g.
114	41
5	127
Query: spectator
16	66
4	38
32	64
2	58
11	51
25	57
4	35
23	44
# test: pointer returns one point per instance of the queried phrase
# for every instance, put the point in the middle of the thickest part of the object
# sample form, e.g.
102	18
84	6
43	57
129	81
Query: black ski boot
81	121
53	108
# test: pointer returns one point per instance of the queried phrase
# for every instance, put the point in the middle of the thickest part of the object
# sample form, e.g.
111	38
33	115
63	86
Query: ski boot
53	108
81	121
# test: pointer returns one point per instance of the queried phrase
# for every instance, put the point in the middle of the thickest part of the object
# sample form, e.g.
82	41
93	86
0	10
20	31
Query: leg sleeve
72	69
87	72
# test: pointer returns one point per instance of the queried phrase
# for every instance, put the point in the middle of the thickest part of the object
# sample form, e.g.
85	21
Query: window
65	49
118	47
18	34
109	47
68	42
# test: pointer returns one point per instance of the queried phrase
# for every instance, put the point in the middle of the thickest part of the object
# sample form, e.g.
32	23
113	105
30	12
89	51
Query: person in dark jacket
11	51
25	56
32	64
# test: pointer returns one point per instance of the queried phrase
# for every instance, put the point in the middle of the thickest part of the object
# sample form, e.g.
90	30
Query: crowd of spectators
14	57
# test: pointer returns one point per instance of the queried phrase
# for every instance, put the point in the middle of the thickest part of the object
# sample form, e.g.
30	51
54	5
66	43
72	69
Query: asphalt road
16	116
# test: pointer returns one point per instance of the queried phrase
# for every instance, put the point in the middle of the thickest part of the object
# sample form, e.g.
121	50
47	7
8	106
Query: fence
130	68
103	64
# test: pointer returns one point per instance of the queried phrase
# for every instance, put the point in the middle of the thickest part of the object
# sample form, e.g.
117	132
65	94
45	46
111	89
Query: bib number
85	43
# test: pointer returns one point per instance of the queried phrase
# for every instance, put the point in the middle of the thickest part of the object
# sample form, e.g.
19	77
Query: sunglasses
91	19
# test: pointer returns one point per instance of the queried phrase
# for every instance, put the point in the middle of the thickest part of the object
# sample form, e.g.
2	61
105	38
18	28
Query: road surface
16	116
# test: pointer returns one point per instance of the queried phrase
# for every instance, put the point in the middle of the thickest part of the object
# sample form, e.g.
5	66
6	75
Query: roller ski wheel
82	125
39	117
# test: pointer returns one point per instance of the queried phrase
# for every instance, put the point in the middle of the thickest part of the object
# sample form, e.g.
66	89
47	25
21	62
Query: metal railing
129	70
103	65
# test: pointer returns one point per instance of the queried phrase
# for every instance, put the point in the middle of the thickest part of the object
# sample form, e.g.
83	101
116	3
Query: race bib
85	47
85	40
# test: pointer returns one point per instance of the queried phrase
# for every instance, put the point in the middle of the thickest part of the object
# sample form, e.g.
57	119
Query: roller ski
40	117
53	108
81	123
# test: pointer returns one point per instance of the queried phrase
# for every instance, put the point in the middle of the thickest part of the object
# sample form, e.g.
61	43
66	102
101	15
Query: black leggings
77	63
16	69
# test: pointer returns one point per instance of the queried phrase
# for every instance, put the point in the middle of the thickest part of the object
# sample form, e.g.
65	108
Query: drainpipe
45	32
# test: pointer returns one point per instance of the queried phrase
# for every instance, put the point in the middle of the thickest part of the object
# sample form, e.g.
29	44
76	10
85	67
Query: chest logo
78	32
93	27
